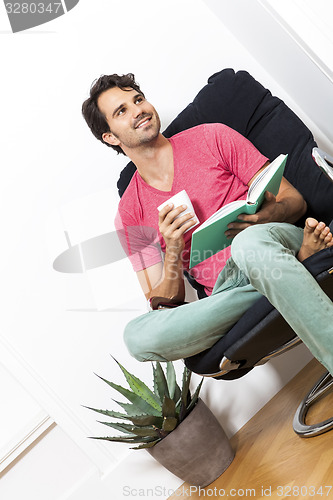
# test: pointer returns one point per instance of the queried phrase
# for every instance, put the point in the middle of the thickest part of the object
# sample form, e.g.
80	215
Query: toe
319	229
311	223
328	239
324	233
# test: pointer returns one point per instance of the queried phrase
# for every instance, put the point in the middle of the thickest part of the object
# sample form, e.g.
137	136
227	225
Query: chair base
324	384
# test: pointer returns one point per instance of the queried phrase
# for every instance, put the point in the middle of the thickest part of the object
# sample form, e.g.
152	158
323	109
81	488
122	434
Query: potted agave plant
175	427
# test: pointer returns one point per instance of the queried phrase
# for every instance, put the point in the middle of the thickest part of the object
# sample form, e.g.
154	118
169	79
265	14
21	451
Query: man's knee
140	341
254	252
247	245
259	251
131	339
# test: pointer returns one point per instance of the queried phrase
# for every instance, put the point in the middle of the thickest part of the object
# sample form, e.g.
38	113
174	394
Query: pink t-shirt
214	163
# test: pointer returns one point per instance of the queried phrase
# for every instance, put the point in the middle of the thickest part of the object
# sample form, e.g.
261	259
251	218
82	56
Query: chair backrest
239	101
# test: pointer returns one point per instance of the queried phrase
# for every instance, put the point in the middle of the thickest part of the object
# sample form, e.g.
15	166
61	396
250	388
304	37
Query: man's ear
110	139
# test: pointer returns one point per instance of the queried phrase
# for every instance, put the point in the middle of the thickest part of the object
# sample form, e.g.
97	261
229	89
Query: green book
209	238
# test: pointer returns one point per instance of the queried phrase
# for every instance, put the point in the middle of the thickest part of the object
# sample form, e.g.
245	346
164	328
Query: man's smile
144	121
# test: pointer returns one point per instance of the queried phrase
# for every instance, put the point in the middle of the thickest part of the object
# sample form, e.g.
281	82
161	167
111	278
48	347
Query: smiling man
143	129
216	165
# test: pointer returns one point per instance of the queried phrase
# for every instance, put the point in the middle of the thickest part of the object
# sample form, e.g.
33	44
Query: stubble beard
152	131
148	137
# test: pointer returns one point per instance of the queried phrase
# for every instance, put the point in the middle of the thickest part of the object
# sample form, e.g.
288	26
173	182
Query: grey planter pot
198	450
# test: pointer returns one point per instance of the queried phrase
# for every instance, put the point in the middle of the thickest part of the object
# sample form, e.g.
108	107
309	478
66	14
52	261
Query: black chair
239	101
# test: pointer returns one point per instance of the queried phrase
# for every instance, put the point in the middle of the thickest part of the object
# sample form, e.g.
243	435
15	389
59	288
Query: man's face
133	121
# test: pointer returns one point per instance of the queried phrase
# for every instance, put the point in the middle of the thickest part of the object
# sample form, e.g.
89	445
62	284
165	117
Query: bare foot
317	236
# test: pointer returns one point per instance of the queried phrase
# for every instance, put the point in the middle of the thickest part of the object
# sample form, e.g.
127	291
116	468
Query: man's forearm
292	206
171	285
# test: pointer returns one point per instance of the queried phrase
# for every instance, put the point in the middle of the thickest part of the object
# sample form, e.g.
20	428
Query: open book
209	238
324	161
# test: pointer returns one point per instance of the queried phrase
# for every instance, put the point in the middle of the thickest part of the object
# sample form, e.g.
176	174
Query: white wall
274	37
310	25
46	471
22	420
54	334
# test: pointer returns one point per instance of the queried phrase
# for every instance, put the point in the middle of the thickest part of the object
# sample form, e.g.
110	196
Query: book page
254	189
263	179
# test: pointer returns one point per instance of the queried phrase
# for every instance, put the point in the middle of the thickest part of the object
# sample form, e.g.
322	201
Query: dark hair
92	114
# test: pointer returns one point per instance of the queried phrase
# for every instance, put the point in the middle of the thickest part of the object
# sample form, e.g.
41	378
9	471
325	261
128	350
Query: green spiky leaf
194	398
169	424
110	413
177	394
147	420
131	409
125	439
140	420
146	445
185	385
174	388
140	389
133	398
160	382
184	393
145	431
169	407
171	379
125	428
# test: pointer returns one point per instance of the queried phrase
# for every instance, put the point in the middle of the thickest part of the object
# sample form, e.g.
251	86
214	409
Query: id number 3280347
33	8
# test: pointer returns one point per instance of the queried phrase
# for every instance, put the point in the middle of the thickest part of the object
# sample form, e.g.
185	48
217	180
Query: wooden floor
271	460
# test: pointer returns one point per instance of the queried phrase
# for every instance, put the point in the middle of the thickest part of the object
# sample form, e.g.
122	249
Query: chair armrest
164	303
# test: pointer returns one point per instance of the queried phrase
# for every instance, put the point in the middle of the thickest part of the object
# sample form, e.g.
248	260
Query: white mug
177	200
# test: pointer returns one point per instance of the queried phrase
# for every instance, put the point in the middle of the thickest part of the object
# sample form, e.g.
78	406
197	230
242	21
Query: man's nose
137	110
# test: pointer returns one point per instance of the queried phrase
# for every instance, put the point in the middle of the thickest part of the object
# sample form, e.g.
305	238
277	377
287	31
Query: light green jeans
263	262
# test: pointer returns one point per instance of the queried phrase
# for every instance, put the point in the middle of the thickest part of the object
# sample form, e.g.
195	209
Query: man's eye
139	99
121	111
